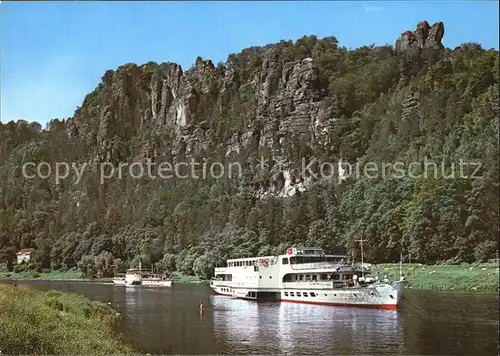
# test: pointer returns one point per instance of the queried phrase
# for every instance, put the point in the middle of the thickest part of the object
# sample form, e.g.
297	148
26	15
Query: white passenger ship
306	275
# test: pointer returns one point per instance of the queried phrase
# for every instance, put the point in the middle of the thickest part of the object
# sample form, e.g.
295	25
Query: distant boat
138	277
133	277
155	280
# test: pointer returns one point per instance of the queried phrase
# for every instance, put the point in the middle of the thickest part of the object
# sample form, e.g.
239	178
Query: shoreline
451	278
83	325
73	276
465	278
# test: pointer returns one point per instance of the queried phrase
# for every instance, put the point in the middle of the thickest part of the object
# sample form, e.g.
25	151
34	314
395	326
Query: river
168	321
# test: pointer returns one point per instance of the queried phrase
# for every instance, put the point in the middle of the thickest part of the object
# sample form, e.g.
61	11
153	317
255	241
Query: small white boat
140	277
133	277
155	280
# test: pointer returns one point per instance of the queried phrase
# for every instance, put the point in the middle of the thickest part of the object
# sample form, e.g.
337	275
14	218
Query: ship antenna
400	265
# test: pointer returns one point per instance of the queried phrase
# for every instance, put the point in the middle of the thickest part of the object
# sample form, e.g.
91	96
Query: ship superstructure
306	275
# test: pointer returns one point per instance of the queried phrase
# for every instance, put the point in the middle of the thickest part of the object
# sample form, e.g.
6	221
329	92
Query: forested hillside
411	103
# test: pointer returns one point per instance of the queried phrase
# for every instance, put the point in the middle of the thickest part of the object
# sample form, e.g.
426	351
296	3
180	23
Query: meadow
466	277
36	322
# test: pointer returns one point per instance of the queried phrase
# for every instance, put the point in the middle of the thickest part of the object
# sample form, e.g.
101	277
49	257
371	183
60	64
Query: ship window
284	260
292	294
314	277
312	294
304	294
336	277
286	294
260	277
308	277
301	277
270	277
323	277
298	294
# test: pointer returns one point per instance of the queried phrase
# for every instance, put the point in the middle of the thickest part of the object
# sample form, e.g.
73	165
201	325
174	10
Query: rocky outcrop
265	98
282	103
424	36
410	104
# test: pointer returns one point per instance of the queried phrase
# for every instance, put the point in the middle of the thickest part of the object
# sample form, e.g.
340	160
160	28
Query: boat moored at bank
132	277
139	277
306	275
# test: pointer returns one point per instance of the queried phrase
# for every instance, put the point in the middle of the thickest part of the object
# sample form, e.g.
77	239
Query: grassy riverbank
180	277
480	277
177	277
35	322
45	276
474	277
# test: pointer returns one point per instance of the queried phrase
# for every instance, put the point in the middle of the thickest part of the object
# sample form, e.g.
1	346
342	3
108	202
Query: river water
168	321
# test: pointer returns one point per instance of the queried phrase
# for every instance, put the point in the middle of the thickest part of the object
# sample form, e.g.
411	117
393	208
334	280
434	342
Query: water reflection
304	329
168	321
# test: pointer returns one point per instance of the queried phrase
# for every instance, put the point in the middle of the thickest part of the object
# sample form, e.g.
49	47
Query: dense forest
307	99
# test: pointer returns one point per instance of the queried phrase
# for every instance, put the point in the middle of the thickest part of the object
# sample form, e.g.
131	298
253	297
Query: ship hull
154	283
382	296
144	282
336	304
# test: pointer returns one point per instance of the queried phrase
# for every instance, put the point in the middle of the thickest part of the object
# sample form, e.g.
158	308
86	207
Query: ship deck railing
220	283
329	265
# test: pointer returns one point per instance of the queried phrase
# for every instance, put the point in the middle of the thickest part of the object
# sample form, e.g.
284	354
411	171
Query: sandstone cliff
266	98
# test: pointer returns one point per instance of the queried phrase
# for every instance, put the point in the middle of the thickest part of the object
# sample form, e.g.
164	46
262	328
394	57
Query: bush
24	267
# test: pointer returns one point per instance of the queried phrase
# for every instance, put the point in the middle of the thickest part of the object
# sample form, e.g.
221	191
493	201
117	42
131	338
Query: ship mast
400	265
362	265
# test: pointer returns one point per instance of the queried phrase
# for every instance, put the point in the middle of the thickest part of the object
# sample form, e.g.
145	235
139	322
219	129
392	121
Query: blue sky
54	53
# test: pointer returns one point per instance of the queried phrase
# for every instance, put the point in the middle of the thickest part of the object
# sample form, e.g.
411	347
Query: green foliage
35	322
466	277
442	106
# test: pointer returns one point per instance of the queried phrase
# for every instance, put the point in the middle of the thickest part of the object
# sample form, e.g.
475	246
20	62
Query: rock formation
264	98
279	102
424	36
